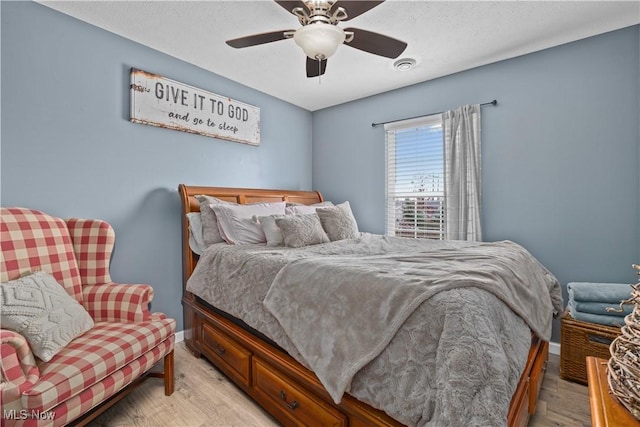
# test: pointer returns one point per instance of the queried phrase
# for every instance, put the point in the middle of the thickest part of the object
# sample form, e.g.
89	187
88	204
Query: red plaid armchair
125	342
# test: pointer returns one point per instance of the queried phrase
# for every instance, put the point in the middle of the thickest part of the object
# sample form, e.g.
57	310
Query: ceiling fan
320	35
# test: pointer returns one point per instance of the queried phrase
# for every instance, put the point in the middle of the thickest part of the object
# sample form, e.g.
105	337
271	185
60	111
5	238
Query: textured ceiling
444	37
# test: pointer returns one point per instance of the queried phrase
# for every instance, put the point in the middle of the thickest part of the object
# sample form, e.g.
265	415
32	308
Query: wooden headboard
237	195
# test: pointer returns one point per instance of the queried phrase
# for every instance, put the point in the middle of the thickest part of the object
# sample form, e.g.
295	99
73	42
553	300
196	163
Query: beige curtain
462	170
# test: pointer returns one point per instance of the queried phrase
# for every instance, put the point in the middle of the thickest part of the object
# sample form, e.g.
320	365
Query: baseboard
180	337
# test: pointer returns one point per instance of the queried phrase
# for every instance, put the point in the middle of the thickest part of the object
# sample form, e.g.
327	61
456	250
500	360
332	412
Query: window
415	187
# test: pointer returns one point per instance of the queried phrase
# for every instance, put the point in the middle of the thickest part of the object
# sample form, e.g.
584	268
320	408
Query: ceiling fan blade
314	69
354	8
289	5
375	43
256	39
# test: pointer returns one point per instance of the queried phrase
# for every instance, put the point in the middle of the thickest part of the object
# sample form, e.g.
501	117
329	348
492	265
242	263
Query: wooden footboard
281	385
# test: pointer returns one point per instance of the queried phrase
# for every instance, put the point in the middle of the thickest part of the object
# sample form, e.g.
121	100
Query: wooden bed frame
281	385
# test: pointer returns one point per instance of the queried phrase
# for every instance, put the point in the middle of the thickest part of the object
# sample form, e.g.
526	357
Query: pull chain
319	58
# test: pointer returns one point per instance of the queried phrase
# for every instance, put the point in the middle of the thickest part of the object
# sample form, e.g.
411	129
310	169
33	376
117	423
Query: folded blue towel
599	319
599	292
600	308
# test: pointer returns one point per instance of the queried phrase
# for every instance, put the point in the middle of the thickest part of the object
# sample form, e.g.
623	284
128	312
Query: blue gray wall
561	152
69	149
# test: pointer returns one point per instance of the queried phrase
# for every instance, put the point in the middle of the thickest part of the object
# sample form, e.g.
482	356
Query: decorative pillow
196	239
237	225
338	222
270	229
301	230
41	310
210	229
300	209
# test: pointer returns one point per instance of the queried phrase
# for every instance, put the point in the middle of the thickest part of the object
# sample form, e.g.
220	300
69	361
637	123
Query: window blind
415	187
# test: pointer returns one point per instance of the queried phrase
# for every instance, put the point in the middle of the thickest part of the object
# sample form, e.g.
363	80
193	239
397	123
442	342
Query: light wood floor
204	397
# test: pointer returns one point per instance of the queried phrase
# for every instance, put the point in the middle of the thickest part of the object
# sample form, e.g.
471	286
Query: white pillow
305	209
40	309
271	230
196	238
237	225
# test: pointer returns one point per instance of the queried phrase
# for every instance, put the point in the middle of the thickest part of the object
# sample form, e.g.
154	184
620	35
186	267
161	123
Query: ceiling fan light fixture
319	40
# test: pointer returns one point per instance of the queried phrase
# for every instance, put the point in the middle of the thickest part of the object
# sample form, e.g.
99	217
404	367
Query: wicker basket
582	339
623	369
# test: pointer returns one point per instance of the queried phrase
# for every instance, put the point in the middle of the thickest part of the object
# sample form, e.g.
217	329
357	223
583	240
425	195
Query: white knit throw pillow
40	309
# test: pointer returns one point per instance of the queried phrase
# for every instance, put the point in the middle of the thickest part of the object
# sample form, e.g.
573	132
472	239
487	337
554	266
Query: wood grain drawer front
518	413
537	376
294	405
231	355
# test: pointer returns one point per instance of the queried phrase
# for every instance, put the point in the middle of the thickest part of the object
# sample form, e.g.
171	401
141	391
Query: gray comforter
430	337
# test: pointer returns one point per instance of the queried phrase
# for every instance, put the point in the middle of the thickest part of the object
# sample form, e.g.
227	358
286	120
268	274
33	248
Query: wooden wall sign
158	101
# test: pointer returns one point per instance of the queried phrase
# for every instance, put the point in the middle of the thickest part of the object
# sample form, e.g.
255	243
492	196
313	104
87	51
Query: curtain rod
494	102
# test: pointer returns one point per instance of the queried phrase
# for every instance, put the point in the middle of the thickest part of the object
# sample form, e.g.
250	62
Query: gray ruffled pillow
338	222
210	231
301	230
